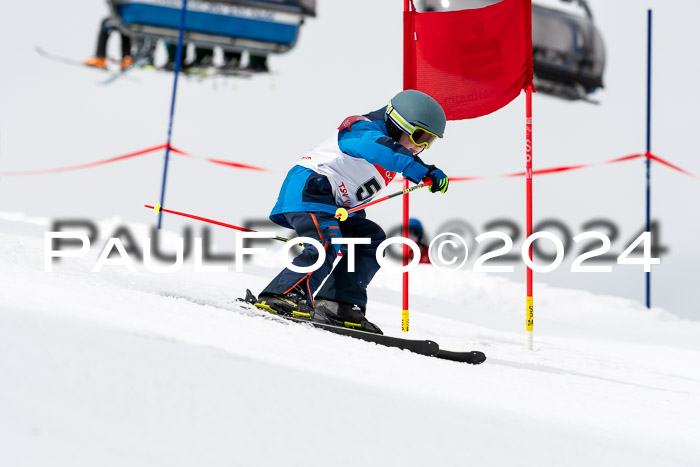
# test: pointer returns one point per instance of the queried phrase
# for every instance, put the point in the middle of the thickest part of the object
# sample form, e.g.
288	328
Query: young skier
348	169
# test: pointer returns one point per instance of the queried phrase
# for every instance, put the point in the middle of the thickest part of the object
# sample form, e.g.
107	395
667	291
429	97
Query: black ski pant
342	285
105	30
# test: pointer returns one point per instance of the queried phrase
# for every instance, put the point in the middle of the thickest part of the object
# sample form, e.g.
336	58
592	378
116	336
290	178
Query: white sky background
348	61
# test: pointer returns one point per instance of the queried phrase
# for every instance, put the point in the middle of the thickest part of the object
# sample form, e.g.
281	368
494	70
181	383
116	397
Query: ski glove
439	179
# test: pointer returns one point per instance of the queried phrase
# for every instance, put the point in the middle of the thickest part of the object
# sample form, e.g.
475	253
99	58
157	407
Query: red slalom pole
529	313
404	288
159	209
409	78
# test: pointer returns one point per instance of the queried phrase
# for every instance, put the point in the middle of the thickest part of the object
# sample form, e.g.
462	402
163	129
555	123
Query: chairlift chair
258	26
568	49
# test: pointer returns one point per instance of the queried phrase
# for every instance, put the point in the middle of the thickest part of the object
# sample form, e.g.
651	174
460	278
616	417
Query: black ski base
421	347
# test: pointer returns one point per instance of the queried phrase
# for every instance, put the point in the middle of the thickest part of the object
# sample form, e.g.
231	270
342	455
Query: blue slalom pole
648	229
178	59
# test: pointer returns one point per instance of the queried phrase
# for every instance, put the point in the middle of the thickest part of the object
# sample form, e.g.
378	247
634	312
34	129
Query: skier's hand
439	180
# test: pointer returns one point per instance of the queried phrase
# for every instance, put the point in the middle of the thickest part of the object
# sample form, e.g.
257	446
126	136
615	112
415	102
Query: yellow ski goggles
419	136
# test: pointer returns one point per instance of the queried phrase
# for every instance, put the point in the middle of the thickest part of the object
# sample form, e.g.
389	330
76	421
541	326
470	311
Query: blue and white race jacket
350	167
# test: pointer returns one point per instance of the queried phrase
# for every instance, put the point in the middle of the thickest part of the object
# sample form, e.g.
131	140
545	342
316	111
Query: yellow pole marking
342	214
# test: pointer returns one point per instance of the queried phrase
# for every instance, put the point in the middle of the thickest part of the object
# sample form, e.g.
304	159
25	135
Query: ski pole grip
341	214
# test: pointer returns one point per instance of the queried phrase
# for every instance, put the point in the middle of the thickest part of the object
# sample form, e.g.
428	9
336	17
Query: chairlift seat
258	25
568	49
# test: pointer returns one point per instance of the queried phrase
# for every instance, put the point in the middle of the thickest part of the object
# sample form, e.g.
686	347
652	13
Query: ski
141	62
65	60
198	73
242	72
114	74
427	348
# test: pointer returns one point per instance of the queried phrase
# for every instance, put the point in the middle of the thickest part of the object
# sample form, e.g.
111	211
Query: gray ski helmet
416	109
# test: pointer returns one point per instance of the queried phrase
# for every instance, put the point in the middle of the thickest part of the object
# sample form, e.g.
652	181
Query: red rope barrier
623	158
567	168
238	165
142	152
84	166
668	164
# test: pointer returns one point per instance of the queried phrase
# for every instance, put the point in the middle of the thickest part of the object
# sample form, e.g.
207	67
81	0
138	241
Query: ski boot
97	62
258	64
127	62
343	314
293	303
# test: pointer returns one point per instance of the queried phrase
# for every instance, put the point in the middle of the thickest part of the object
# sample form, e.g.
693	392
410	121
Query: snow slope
116	368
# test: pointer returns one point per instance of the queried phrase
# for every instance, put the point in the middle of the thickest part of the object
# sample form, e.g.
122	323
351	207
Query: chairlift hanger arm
583	4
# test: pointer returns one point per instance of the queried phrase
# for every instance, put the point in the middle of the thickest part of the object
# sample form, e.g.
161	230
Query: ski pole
158	208
342	213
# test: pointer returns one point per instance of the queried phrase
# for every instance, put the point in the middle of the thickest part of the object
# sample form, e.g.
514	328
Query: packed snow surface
120	368
140	368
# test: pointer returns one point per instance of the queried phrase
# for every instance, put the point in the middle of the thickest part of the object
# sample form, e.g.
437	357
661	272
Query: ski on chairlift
257	26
